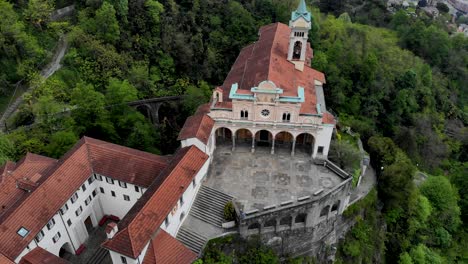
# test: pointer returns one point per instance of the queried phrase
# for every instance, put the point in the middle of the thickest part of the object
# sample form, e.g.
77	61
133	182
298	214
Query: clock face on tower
265	112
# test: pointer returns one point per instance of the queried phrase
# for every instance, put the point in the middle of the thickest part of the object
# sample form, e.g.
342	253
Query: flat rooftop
261	179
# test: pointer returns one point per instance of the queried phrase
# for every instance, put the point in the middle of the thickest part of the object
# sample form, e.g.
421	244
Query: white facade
94	200
178	214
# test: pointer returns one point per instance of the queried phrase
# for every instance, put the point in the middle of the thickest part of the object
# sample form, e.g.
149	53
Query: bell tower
300	25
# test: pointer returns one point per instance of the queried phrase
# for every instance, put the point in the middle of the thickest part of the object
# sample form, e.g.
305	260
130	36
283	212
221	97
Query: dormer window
244	114
286	117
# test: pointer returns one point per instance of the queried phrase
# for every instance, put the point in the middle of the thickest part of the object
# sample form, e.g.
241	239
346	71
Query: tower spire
301	11
302	7
300	25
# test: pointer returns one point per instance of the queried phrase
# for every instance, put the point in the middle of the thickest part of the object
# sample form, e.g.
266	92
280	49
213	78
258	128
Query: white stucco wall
117	205
189	196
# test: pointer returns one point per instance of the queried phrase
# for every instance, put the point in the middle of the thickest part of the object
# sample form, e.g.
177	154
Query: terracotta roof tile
328	118
267	60
197	126
5	260
164	249
41	256
125	164
39	206
63	178
28	170
147	215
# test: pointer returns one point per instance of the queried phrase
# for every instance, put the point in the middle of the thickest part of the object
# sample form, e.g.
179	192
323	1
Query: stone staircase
191	239
209	206
98	256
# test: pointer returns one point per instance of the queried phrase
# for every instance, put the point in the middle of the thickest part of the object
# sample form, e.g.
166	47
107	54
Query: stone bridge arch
150	108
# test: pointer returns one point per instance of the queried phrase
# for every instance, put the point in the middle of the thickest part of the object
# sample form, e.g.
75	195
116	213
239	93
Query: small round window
265	112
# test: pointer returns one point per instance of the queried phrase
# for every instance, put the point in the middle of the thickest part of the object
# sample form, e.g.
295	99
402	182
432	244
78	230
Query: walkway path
369	181
45	73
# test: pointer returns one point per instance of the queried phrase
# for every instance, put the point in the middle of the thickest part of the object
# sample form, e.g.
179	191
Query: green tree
90	113
344	154
6	149
39	11
107	26
443	197
60	142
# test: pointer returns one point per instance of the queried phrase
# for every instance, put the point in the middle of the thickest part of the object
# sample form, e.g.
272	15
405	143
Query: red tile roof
164	249
41	256
328	118
124	164
197	126
266	59
5	260
28	170
147	215
63	178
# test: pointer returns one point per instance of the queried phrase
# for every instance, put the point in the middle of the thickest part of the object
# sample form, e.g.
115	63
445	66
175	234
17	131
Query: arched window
244	114
325	211
300	218
297	50
286	220
254	226
335	206
271	222
286	117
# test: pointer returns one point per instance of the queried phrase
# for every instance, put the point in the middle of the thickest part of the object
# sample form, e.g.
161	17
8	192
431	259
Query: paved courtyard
261	179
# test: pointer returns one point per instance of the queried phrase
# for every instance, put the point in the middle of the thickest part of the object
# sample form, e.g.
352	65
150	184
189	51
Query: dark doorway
89	224
66	251
264	135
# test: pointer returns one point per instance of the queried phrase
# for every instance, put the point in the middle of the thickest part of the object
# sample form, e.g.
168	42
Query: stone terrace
261	179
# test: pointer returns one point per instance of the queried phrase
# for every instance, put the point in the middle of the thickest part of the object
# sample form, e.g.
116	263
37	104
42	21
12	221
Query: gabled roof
41	256
164	249
29	170
198	126
266	59
63	178
146	216
133	166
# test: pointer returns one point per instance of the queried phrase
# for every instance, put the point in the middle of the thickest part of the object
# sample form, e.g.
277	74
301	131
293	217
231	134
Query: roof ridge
271	50
121	151
160	189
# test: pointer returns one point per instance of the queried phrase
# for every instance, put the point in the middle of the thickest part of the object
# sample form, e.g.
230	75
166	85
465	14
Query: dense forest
398	80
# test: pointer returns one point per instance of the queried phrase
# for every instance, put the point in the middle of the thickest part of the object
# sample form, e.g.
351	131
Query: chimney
111	230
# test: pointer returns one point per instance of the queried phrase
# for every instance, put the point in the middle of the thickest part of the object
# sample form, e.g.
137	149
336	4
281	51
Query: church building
271	103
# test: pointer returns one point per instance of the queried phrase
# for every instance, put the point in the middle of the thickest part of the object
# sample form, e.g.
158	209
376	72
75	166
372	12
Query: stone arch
264	138
147	111
336	205
270	223
284	141
287	220
66	250
305	143
223	136
253	226
244	137
325	211
300	218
